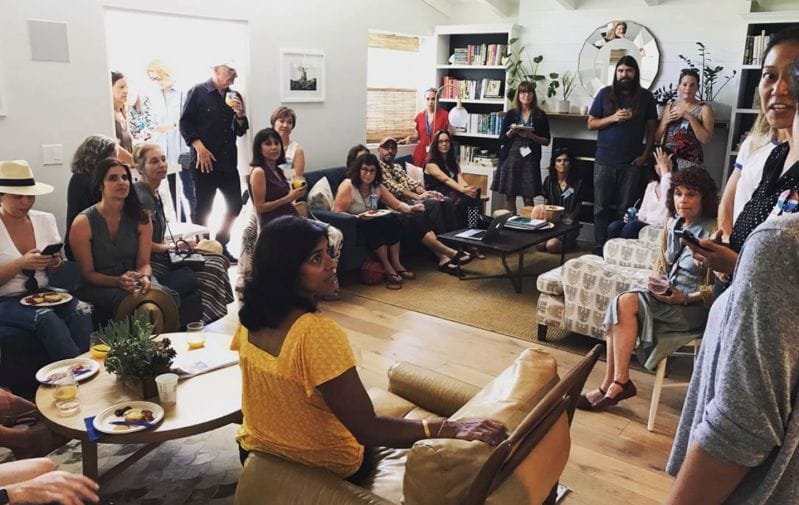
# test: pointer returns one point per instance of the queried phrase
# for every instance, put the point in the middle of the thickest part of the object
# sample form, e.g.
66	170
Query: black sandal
462	257
450	267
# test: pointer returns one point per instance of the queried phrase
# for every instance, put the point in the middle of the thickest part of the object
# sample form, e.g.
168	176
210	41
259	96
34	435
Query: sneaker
232	259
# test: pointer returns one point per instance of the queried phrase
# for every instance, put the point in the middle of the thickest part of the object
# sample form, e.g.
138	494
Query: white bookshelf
744	111
449	37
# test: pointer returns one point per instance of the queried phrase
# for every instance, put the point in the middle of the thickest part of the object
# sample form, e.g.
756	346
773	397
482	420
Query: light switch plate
52	154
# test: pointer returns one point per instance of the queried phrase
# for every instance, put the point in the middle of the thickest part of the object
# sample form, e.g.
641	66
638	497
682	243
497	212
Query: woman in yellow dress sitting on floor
302	398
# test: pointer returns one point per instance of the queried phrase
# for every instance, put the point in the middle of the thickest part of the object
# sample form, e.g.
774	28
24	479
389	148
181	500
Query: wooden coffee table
204	402
509	242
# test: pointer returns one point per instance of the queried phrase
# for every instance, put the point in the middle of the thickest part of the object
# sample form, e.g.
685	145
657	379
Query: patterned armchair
574	297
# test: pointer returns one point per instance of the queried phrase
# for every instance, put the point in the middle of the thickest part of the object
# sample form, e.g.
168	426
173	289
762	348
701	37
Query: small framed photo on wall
302	75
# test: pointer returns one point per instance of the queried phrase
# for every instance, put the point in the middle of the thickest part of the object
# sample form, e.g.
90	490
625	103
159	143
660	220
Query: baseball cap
386	140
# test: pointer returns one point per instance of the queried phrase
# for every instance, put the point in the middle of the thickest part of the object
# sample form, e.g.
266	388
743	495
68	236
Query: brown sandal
393	281
583	403
628	390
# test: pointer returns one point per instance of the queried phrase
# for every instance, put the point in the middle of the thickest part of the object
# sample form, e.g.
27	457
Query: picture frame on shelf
302	75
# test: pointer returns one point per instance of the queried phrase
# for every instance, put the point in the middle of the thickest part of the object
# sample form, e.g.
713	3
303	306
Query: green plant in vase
135	353
566	84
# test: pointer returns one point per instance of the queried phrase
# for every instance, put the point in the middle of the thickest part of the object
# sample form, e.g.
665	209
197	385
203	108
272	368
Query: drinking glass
659	285
195	334
230	98
167	384
66	396
98	349
297	182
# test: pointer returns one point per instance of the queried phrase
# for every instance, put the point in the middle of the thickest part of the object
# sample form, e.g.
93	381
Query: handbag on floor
372	271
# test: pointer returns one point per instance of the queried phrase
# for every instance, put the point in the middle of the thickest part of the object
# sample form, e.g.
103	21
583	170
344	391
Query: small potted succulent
136	356
566	83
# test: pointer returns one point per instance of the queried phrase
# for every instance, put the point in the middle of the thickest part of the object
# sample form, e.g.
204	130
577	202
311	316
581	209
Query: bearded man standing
626	116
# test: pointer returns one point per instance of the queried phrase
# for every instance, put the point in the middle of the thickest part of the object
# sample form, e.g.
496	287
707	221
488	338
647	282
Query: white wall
62	103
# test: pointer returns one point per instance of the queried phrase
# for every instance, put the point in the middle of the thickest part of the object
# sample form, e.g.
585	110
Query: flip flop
462	257
450	267
405	274
393	281
477	253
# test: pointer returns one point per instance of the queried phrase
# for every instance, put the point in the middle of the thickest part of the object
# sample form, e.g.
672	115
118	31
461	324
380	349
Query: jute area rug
489	304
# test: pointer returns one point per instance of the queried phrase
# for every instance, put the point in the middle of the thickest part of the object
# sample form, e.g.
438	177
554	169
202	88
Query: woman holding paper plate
212	282
525	129
25	264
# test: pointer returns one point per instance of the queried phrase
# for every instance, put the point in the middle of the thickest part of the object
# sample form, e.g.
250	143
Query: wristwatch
4	497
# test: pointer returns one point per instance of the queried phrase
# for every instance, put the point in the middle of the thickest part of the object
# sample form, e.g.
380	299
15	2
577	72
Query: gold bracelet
426	428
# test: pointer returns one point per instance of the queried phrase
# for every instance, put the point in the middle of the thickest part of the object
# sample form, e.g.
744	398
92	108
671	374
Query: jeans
63	330
625	230
205	186
613	186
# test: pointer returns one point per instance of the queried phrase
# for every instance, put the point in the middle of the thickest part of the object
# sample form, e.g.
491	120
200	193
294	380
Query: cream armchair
575	296
527	396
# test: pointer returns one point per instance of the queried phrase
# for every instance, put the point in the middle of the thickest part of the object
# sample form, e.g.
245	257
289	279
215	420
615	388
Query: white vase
563	106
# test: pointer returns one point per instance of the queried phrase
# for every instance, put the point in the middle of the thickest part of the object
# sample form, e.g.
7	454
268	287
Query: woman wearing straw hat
63	329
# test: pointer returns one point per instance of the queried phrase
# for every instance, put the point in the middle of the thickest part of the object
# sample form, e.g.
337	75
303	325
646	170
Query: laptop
489	234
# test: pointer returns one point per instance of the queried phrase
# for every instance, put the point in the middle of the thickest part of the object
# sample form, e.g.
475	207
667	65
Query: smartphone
688	237
52	249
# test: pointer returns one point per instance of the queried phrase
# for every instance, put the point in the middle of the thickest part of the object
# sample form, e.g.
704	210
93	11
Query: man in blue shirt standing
213	116
625	114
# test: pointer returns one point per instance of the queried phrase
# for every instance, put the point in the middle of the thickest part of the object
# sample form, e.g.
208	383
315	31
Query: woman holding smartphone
674	307
26	261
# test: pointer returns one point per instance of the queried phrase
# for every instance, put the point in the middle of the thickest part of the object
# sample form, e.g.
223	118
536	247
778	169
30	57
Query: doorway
187	46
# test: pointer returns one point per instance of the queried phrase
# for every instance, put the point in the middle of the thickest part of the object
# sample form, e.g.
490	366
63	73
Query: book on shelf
754	47
485	124
474	155
482	54
471	89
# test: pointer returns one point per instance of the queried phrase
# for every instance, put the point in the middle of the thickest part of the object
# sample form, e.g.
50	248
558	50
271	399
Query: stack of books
473	155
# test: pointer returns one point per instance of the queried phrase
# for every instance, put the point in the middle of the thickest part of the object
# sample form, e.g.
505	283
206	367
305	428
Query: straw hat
16	178
209	246
156	305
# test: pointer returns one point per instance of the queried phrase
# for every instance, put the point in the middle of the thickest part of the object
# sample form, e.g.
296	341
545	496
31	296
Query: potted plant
136	356
519	71
708	75
663	95
566	84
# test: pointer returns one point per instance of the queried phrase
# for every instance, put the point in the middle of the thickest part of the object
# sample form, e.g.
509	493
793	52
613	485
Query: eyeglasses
31	284
444	141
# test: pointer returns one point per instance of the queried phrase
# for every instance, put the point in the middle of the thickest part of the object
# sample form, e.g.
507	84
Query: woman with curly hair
674	306
80	194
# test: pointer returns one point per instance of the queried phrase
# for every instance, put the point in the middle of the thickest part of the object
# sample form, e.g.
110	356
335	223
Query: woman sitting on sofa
443	174
360	192
112	240
674	307
302	398
64	330
212	282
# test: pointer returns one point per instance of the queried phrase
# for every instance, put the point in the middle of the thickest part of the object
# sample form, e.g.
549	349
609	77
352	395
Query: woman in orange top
427	122
302	398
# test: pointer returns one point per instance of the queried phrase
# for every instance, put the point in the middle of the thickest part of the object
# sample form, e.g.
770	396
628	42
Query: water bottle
373	199
632	214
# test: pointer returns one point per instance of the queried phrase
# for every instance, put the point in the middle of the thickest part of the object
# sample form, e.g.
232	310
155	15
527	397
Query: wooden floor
614	459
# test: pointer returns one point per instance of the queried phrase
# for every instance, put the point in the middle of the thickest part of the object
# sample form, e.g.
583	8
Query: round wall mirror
607	44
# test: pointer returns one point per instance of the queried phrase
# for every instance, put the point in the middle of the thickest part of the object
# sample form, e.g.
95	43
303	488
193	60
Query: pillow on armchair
440	471
321	195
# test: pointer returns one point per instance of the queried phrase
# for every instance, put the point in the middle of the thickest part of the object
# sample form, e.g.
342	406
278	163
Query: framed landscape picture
302	75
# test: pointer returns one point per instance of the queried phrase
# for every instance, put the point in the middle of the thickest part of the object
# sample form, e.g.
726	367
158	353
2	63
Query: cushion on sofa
389	404
416	173
440	471
320	197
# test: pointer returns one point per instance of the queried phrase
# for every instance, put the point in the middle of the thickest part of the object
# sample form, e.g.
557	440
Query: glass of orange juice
98	349
297	182
66	396
195	335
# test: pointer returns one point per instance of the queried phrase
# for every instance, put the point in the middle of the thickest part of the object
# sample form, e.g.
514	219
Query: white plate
102	421
521	227
26	300
45	372
371	214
